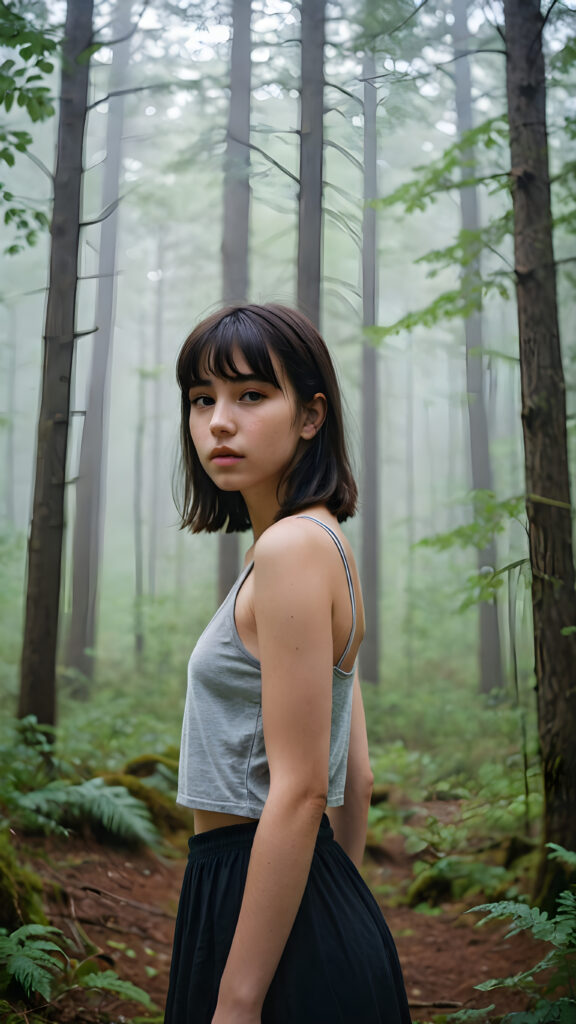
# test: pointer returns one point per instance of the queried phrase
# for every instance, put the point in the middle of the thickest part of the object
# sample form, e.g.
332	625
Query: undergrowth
550	984
42	791
36	971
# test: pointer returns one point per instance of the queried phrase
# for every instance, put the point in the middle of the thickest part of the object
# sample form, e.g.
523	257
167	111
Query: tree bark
38	666
544	425
410	515
10	480
236	199
489	648
137	502
155	489
311	158
236	219
370	650
90	486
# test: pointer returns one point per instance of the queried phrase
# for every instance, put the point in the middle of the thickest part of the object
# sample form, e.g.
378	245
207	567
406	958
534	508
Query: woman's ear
314	416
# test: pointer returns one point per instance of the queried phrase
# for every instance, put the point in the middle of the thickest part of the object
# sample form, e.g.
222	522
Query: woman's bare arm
349	821
293	608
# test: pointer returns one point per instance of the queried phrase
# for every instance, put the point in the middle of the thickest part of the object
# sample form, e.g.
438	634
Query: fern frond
561	853
523	978
524	918
119	812
110	982
27	957
92	801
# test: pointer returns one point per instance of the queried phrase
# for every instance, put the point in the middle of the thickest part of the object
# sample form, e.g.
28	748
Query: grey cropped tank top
223	765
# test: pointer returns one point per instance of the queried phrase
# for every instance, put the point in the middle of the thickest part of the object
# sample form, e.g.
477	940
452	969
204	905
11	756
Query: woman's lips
226	459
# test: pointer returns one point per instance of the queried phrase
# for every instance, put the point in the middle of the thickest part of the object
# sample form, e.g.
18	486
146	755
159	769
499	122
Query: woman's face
246	431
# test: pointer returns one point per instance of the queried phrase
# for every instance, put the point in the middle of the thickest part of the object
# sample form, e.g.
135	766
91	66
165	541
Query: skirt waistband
238	836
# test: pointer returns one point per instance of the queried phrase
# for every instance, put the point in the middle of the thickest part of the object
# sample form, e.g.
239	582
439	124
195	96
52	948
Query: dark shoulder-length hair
321	473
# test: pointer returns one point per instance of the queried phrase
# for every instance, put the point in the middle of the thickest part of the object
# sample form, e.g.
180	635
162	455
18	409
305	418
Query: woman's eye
201	401
252	396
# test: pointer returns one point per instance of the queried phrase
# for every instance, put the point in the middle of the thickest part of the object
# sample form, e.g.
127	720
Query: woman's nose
222	420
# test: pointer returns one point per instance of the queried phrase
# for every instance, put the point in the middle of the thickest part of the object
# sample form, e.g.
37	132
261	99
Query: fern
31	958
568	857
560	933
110	982
110	806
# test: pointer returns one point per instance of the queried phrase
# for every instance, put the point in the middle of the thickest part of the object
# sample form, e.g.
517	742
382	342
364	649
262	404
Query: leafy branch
22	82
33	959
445	173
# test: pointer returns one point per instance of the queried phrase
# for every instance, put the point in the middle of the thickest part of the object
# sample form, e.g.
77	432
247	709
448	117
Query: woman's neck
262	510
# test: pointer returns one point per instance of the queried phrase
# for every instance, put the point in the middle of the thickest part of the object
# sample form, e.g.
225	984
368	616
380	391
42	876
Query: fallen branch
124	899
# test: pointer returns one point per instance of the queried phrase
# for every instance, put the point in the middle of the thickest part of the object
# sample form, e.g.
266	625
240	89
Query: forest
405	174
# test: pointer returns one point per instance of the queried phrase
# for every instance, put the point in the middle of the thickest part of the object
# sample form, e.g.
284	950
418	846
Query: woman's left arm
293	608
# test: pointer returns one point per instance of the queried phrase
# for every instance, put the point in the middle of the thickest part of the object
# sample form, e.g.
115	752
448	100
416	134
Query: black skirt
339	965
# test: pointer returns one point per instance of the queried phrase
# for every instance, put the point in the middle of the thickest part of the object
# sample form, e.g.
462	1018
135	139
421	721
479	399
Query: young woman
275	925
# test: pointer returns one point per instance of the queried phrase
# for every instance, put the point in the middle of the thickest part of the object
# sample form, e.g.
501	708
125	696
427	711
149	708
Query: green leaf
414	844
110	982
559	852
113	807
471	1016
86	56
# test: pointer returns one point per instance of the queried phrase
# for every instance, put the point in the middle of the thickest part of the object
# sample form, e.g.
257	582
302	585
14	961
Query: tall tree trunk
370	651
138	495
311	158
236	219
9	480
429	453
410	514
155	478
90	486
38	667
544	424
489	649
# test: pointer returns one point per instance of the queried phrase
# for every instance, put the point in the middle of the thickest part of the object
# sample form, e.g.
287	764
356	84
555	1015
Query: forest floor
124	903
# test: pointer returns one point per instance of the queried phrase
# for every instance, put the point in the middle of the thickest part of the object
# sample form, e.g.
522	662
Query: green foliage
448	306
31	958
36	964
20	888
18	81
445	173
33	797
455	878
22	82
491	516
469	245
109	807
559	963
567	857
108	981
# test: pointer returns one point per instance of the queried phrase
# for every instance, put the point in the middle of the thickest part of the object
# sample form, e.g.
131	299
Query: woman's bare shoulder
292	541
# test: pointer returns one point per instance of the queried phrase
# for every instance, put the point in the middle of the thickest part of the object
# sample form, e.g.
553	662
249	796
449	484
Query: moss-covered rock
455	878
20	890
166	815
148	763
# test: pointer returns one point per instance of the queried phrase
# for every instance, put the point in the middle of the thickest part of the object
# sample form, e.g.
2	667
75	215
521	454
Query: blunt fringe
322	473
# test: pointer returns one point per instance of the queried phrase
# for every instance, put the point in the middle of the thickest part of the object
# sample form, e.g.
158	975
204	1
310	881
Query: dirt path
125	904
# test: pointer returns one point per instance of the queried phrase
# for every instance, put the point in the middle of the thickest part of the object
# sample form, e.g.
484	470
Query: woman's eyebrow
242	377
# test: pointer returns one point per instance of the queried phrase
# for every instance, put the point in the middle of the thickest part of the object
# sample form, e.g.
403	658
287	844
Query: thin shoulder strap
338	544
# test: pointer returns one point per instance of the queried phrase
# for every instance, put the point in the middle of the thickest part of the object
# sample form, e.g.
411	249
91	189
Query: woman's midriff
204	821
